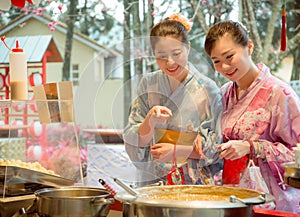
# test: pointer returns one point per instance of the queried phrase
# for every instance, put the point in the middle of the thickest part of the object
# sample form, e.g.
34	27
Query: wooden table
107	136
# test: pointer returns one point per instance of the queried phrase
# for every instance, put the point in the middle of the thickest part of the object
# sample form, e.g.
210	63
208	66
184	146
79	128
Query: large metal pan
191	200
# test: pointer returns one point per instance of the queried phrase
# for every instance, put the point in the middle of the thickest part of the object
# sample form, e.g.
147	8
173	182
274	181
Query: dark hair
238	32
168	28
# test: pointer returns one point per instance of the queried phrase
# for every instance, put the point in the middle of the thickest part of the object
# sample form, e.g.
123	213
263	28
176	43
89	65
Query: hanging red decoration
7	81
2	81
6	4
34	152
283	27
32	105
35	79
35	128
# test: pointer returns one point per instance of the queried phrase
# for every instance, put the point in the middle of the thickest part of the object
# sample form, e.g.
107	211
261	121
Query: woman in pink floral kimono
261	114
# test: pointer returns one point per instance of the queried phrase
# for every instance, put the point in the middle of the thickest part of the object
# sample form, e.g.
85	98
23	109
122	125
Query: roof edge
62	27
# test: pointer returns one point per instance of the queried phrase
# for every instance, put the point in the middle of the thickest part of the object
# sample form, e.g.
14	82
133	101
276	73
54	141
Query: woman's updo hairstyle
175	26
237	30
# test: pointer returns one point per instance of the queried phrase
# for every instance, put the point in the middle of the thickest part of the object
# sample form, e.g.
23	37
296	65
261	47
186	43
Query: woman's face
230	59
172	57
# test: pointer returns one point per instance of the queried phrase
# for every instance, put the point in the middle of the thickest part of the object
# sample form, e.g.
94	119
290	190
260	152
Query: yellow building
98	98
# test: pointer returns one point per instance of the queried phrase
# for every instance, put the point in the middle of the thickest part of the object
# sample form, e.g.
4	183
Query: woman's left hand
198	146
162	151
234	149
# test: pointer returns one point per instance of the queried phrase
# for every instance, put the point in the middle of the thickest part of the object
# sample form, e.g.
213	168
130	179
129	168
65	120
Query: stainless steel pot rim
50	192
124	197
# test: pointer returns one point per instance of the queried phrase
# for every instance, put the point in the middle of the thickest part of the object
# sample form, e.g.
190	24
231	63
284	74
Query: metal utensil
125	187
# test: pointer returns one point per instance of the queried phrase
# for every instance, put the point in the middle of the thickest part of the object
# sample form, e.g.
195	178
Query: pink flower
60	8
286	91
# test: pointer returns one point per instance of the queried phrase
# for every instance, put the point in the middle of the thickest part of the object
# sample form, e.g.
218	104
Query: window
113	67
75	74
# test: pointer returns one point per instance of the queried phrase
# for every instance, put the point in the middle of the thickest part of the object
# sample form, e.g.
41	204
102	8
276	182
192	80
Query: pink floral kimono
268	112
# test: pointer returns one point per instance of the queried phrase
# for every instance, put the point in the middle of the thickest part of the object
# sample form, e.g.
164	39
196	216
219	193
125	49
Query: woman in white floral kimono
261	114
174	105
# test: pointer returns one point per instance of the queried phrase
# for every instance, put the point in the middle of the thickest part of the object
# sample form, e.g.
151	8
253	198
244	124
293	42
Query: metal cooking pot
73	202
190	201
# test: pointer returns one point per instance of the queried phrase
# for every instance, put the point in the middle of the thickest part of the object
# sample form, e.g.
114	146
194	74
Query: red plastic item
17	48
20	3
116	206
232	170
258	212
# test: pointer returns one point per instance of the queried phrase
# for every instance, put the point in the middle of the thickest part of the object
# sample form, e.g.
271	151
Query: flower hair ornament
184	21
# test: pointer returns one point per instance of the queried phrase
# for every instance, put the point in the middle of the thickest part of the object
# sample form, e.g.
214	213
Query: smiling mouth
173	70
231	73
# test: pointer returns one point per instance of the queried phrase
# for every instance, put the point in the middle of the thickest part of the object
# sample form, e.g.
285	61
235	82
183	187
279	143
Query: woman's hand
198	146
162	152
234	149
158	115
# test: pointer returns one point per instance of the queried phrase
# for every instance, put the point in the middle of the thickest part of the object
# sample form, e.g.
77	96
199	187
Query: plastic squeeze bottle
18	74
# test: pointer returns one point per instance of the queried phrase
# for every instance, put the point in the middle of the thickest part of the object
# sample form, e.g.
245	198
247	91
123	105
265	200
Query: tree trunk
126	61
137	42
199	14
149	22
85	28
292	45
270	31
258	50
72	14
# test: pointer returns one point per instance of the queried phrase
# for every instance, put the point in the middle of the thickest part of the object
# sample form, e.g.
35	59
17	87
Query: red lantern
35	128
7	81
34	152
35	79
2	81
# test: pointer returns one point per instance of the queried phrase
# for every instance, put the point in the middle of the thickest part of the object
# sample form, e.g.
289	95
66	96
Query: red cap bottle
18	73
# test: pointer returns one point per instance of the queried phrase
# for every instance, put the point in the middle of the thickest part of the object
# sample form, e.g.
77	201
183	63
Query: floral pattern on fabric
269	113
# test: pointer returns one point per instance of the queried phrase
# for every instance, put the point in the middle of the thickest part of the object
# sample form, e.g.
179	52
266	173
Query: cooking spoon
126	188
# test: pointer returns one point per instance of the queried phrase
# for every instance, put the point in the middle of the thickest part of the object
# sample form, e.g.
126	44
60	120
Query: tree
72	11
126	65
271	37
136	27
261	19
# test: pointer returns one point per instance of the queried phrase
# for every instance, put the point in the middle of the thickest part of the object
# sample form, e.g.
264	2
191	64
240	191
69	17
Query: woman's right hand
158	115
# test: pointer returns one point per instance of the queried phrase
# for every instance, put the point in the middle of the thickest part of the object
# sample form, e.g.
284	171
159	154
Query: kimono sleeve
139	110
284	130
210	129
